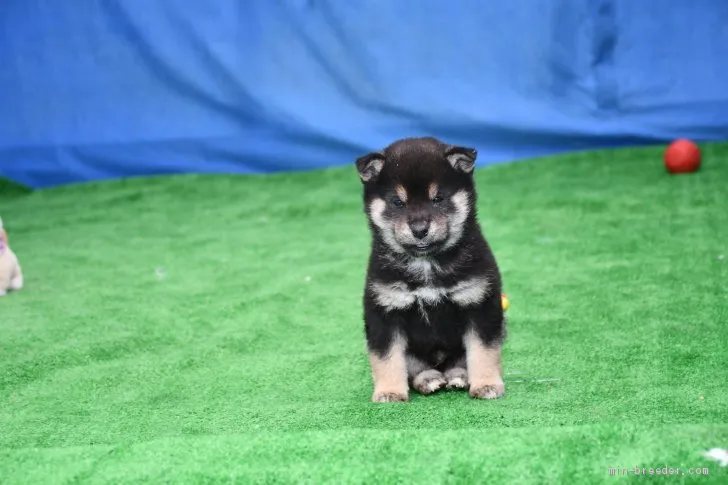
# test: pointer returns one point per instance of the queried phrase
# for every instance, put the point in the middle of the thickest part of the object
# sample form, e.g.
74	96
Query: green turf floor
207	329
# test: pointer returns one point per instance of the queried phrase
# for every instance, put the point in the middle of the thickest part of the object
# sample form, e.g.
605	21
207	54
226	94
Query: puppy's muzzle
419	228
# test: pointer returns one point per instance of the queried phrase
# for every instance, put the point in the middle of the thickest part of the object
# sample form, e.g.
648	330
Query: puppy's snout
419	228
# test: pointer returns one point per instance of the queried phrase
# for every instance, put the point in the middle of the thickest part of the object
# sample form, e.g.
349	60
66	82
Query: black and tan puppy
432	301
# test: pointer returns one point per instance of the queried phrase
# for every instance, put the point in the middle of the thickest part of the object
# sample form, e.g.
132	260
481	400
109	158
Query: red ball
682	156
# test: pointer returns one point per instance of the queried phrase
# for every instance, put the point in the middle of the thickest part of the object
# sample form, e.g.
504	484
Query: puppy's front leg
483	348
387	357
389	370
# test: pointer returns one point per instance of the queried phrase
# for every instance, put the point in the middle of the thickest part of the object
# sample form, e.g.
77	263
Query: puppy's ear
462	159
369	166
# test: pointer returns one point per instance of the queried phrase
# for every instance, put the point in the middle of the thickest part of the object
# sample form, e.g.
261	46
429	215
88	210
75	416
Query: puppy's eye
437	199
397	202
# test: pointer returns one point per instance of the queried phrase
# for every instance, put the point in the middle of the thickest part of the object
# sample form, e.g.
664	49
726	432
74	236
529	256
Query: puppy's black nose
419	228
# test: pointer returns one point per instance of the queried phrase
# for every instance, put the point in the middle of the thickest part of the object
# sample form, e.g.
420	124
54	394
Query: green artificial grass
207	329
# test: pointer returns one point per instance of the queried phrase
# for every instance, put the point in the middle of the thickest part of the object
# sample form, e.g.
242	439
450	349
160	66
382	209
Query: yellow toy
504	300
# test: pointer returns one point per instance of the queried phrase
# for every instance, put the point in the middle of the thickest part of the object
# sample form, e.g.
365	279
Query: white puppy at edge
11	276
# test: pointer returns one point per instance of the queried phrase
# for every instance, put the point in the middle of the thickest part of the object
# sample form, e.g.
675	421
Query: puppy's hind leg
457	375
424	379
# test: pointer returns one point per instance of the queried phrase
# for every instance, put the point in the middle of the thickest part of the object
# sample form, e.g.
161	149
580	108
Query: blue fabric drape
99	89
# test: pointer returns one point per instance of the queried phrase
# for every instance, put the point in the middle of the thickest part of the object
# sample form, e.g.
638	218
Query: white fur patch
429	381
429	294
458	382
461	201
376	212
435	384
396	295
470	292
718	454
392	296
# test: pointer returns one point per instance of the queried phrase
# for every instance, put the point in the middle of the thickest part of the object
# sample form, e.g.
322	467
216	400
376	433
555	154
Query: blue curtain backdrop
99	89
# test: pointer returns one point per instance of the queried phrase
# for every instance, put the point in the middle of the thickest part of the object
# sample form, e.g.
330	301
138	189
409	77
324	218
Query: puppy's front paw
386	396
488	391
457	378
429	381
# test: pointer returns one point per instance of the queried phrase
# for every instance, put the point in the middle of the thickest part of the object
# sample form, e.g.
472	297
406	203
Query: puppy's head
419	194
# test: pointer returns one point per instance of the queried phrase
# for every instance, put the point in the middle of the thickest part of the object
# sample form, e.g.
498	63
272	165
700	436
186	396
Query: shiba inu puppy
433	315
11	277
